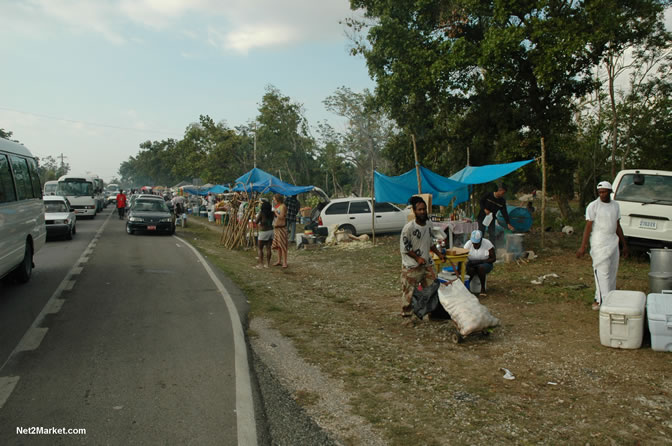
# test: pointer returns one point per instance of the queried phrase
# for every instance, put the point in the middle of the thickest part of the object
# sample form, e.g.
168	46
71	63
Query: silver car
60	218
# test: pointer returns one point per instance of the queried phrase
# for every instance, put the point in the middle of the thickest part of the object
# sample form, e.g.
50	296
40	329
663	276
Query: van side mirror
638	179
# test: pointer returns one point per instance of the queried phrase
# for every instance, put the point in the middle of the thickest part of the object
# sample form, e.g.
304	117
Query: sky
92	79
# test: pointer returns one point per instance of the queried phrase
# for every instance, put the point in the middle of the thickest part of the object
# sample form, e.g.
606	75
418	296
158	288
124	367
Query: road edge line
246	425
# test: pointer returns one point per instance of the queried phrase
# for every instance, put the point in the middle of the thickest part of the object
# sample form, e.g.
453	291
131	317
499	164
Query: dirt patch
339	308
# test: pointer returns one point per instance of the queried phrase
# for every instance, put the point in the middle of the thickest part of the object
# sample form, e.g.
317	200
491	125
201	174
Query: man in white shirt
604	228
415	244
481	258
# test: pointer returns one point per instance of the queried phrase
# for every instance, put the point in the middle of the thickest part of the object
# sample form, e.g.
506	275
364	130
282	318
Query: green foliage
49	169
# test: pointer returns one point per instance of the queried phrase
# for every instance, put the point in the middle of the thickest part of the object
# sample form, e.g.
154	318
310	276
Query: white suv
354	215
645	199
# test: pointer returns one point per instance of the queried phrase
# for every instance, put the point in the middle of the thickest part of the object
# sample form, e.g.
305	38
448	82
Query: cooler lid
659	306
630	303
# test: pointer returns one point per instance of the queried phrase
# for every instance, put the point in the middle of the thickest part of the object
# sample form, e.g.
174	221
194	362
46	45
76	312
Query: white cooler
622	319
659	313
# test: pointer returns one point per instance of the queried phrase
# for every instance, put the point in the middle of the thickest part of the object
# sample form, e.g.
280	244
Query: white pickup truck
645	199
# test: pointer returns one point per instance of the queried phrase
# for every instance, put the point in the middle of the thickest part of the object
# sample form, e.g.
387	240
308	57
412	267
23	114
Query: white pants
605	270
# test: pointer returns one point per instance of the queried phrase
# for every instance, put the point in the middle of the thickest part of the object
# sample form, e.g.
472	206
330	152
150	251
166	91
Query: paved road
138	343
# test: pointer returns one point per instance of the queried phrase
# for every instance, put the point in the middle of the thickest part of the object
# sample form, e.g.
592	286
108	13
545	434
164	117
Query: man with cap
417	266
481	258
604	229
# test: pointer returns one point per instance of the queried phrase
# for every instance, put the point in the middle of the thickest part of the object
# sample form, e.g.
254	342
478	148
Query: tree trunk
543	191
417	164
611	70
564	207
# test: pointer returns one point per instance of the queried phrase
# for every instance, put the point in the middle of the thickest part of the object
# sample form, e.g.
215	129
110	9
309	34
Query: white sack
465	309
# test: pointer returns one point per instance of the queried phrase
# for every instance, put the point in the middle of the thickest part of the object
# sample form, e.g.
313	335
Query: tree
49	169
283	138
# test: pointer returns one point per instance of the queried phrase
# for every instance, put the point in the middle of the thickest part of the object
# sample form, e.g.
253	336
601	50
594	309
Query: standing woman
265	222
280	230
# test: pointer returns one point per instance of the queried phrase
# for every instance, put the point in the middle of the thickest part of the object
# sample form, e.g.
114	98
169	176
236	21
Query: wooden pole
417	164
373	200
543	191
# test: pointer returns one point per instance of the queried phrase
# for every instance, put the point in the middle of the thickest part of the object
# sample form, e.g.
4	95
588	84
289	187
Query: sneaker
596	306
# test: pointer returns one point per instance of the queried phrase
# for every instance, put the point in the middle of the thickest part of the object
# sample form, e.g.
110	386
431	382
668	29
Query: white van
22	229
645	198
51	188
80	191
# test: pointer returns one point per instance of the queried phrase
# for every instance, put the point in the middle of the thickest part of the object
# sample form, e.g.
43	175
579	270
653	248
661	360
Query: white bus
22	229
80	191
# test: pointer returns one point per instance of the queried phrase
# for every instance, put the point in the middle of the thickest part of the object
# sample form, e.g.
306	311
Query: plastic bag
465	309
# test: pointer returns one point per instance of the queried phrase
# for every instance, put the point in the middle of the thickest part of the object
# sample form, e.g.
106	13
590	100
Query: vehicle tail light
319	221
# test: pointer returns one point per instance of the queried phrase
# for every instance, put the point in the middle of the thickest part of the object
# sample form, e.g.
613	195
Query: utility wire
92	124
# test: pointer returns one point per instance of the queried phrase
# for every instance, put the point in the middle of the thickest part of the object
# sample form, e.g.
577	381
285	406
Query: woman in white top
481	258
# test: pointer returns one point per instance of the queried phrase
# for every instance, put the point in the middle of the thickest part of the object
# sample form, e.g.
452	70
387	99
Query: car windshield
150	206
55	206
655	189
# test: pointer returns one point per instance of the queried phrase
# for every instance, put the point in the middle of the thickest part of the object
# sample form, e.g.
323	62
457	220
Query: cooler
659	311
622	319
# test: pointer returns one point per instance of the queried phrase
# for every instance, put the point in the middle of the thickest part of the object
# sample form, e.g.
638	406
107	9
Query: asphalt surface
131	339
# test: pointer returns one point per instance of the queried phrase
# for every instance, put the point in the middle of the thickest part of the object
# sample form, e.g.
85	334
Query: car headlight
136	219
166	220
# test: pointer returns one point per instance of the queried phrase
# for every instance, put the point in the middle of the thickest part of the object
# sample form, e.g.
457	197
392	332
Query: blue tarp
256	180
194	190
485	174
399	189
218	189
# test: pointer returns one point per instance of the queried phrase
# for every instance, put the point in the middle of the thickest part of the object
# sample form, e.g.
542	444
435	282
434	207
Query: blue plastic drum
521	220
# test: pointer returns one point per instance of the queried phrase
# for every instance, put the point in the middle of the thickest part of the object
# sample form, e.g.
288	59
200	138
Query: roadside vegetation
339	306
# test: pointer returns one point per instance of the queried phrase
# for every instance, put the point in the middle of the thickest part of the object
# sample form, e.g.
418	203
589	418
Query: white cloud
233	25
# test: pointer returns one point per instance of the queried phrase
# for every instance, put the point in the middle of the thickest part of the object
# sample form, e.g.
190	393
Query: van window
656	189
24	187
7	193
34	178
337	208
359	207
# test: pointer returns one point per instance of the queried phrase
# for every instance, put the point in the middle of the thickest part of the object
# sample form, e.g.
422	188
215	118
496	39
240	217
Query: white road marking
55	306
32	339
7	384
246	427
77	269
69	285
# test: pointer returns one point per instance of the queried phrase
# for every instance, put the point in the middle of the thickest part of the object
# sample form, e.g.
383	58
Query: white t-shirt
418	239
481	253
604	216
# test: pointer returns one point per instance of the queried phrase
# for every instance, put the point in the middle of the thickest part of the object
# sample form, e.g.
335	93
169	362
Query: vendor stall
455	227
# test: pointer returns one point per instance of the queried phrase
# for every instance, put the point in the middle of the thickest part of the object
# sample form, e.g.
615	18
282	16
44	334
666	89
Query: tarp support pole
417	164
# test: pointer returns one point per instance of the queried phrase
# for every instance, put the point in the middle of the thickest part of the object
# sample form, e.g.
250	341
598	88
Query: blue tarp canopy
485	174
399	189
218	189
195	190
256	180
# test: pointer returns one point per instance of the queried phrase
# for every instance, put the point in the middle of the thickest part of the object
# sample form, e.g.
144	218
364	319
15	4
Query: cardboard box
457	251
305	212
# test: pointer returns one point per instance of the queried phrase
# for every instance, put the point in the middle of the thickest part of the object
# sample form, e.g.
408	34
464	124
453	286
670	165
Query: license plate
151	228
647	224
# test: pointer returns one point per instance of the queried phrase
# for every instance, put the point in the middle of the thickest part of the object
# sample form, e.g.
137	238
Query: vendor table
455	227
460	261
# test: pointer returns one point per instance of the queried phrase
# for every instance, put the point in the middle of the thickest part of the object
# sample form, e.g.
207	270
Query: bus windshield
76	187
51	189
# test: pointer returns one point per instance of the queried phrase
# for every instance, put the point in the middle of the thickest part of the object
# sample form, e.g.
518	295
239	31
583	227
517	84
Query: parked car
353	215
150	214
645	199
59	217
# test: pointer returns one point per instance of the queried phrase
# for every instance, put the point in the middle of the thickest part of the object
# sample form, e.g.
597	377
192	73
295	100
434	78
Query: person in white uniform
481	258
604	229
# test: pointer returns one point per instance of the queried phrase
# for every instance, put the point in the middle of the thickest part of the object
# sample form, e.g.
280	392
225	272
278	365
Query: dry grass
340	308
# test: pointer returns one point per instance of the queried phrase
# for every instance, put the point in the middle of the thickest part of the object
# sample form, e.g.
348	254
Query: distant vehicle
98	189
51	187
645	199
111	192
354	216
150	214
79	190
60	218
22	229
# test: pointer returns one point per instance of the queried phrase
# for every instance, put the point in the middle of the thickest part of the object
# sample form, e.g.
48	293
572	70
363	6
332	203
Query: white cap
604	185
